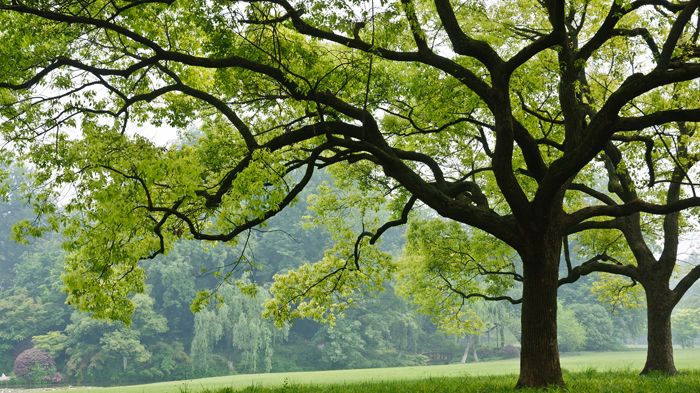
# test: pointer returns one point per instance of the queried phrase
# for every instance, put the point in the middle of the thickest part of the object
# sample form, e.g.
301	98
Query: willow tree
485	112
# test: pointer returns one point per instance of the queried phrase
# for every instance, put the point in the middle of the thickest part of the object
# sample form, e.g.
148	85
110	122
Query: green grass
496	376
582	382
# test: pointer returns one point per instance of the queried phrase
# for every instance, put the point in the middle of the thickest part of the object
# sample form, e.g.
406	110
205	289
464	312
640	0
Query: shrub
510	352
55	378
36	365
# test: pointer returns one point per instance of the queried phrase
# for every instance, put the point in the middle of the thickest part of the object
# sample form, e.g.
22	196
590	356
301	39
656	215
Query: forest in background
167	341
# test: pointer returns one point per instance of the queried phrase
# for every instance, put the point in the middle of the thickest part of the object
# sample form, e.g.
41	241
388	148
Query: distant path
601	361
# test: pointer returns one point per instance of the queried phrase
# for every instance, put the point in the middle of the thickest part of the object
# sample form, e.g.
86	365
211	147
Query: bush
55	378
35	365
510	352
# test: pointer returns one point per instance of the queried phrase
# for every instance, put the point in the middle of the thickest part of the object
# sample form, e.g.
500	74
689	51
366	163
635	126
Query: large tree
486	112
643	261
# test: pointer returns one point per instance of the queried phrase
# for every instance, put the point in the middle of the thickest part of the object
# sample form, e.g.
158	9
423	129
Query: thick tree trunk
659	337
539	354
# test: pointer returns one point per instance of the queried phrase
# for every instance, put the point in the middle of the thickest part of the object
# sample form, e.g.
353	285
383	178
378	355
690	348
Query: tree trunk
502	336
465	356
539	354
659	337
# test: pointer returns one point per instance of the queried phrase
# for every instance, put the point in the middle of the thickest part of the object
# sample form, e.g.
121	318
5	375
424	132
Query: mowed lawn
688	359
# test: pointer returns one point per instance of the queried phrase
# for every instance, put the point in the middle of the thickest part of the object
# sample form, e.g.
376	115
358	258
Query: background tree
110	352
15	209
378	332
572	334
284	87
598	325
686	323
654	271
33	303
208	331
249	337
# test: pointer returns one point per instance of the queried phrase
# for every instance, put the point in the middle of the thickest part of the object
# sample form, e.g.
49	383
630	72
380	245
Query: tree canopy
488	113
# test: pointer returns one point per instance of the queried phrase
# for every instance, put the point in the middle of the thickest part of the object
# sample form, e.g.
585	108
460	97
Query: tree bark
539	354
659	336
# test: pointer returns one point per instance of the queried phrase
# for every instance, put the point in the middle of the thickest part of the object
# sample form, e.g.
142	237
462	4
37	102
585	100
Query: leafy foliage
238	323
572	334
35	365
530	94
686	324
445	269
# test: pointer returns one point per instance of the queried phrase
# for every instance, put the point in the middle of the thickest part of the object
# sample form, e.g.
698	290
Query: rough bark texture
659	337
539	355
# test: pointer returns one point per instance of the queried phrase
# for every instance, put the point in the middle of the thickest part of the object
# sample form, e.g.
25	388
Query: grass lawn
580	364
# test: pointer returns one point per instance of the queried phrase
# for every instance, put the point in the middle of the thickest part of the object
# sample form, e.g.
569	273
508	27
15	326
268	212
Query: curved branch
685	283
628	208
61	61
465	296
391	224
639	32
615	14
675	34
616	223
597	264
605	198
637	123
528	52
463	44
223	237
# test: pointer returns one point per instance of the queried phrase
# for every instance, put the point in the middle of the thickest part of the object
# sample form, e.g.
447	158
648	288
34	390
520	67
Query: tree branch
628	208
637	123
466	296
463	44
596	264
685	283
605	198
675	34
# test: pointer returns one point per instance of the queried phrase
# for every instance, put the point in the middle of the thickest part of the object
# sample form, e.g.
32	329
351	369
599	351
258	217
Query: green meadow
613	371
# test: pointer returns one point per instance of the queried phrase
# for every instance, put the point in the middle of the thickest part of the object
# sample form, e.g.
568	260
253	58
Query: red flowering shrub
35	365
